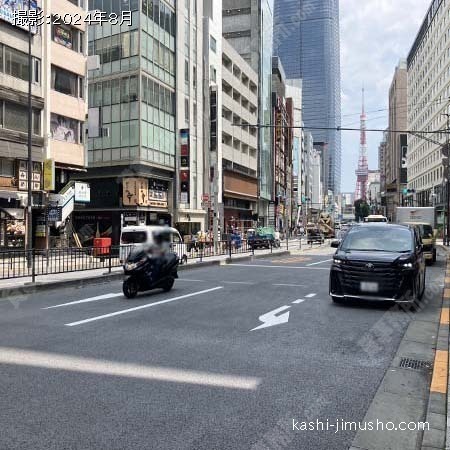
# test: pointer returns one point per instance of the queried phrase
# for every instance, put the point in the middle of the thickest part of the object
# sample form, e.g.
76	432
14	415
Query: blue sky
375	34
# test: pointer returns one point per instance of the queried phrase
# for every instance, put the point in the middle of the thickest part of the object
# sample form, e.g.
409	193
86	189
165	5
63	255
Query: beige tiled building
59	110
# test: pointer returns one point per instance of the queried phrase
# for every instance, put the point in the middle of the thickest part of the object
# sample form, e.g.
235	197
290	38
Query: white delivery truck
424	219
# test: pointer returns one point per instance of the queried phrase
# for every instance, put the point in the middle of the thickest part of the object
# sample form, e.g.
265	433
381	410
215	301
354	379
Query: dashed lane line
276	267
320	262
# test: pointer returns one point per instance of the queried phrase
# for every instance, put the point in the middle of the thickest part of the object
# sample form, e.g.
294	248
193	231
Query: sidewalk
21	286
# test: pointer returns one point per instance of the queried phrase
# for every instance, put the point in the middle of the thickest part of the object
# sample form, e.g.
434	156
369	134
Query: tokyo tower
362	173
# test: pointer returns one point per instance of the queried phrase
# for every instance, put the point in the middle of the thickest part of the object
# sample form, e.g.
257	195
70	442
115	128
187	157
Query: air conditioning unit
105	132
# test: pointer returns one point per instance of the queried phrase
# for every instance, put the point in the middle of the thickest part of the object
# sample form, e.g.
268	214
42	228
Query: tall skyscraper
306	38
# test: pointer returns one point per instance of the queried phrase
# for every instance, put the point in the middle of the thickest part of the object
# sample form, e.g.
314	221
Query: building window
15	117
66	82
64	129
69	37
186	110
15	63
6	167
213	44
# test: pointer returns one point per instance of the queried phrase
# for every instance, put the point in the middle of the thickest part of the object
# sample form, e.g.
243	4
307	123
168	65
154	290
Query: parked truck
424	219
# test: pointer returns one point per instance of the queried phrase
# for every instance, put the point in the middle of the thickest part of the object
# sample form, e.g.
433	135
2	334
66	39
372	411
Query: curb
31	288
436	415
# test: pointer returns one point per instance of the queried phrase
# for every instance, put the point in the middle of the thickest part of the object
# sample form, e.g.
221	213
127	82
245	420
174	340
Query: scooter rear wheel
169	285
130	288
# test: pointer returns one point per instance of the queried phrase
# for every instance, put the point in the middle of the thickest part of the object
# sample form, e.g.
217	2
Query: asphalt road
187	369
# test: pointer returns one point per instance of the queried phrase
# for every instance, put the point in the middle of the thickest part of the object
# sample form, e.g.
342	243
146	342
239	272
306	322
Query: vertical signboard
213	120
49	175
184	174
404	158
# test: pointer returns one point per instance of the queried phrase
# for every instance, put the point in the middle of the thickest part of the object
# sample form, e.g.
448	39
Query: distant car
375	218
380	262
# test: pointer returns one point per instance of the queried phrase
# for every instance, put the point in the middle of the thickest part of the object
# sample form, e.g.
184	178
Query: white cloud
375	34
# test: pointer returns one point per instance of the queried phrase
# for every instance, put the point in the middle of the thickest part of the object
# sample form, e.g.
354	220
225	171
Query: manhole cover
415	364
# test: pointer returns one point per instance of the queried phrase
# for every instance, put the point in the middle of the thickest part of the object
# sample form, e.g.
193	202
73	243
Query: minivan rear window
134	237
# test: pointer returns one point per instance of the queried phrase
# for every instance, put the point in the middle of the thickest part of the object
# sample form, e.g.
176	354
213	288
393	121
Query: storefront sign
82	192
135	192
49	175
54	214
36	176
184	164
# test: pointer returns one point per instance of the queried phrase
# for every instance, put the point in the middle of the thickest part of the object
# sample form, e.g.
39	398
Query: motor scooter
145	272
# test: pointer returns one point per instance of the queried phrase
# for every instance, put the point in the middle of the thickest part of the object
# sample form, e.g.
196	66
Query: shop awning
14	213
16	195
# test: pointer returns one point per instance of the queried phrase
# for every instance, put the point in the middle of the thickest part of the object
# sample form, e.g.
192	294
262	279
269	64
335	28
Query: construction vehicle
424	219
326	225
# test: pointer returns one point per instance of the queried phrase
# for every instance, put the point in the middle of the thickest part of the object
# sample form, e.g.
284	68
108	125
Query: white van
142	236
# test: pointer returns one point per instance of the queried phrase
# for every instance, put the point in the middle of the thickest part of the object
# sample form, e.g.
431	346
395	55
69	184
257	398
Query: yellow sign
49	175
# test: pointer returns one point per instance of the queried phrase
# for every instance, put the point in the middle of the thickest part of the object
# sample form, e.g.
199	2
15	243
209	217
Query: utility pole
447	184
29	222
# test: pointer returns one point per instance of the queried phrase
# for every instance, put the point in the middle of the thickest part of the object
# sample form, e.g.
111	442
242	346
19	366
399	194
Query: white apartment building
239	139
189	119
59	105
428	94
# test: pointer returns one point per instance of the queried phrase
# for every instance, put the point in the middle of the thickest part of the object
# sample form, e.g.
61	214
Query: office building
395	173
248	27
145	120
428	68
58	78
306	38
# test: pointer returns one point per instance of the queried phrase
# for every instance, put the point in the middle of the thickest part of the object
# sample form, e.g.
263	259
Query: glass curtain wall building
306	38
132	118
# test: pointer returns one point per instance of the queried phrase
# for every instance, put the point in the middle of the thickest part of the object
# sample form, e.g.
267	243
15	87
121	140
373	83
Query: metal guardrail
34	263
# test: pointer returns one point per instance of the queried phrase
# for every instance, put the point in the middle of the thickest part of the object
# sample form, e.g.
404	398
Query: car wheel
337	300
434	256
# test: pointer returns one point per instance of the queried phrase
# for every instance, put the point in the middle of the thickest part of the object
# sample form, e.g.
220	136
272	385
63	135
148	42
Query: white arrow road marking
86	300
310	295
320	262
238	282
300	300
271	319
137	308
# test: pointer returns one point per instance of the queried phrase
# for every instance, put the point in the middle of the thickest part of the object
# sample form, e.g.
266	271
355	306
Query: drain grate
415	364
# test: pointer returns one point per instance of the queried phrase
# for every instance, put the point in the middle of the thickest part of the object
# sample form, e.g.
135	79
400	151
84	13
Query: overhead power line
375	130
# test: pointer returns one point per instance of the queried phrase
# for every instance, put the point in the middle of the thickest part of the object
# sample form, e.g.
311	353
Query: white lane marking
137	308
320	262
289	285
276	267
86	300
189	279
297	302
237	282
271	319
54	361
310	295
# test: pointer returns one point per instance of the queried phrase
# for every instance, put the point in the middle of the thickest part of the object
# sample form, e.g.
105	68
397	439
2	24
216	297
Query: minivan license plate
367	286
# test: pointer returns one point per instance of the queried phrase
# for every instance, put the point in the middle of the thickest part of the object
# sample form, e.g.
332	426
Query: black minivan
380	262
